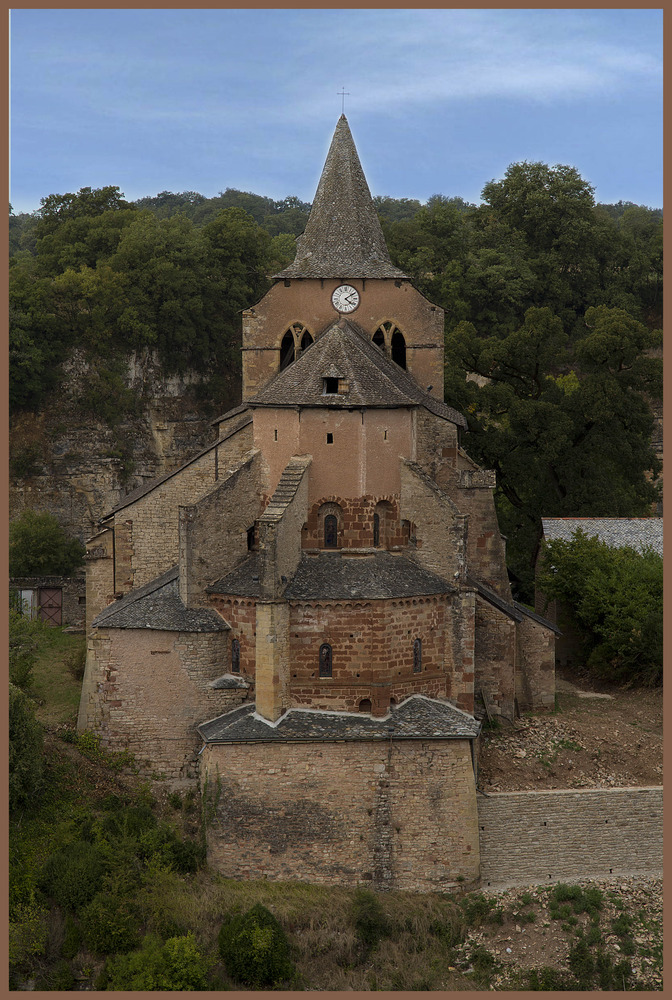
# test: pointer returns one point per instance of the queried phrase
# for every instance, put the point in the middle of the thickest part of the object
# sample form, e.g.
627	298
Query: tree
614	597
567	428
39	546
25	750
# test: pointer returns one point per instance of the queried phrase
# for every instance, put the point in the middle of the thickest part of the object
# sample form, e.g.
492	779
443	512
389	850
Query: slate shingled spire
343	238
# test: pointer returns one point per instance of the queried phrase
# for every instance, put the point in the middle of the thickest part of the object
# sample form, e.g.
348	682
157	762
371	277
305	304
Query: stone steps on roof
286	489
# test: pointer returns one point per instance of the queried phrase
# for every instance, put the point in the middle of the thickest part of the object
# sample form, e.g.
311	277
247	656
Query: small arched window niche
391	340
417	656
235	656
325	660
330	523
295	340
383	524
365	705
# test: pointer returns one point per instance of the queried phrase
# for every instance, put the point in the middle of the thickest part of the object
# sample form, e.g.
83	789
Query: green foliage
175	965
25	751
110	924
24	641
72	938
476	908
614	597
73	875
564	422
371	923
582	900
254	948
39	546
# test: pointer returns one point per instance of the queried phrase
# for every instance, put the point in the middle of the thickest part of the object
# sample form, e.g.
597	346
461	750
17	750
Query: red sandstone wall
357	522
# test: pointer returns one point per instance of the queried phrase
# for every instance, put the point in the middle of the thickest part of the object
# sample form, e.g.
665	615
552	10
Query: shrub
26	761
75	661
175	965
24	638
371	924
110	924
39	546
72	938
73	875
254	948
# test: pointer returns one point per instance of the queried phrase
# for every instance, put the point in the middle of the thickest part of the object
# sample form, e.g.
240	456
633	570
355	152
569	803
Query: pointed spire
343	238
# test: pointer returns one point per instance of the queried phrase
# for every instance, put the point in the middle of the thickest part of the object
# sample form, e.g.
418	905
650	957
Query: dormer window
330	386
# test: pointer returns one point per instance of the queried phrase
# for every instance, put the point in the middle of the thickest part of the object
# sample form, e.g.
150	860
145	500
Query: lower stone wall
396	815
529	838
73	595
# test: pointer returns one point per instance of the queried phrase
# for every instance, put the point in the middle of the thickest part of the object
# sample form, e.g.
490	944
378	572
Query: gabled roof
157	605
372	378
515	611
343	237
634	532
418	717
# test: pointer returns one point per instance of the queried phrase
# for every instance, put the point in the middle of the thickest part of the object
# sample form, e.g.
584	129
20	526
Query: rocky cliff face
77	459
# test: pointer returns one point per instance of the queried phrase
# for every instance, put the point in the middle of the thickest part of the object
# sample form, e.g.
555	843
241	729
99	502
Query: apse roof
343	237
372	379
337	575
418	717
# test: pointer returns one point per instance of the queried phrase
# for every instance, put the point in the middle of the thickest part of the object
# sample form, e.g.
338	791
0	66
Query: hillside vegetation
109	890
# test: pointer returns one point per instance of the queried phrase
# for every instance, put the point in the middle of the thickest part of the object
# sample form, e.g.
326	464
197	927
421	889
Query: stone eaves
418	717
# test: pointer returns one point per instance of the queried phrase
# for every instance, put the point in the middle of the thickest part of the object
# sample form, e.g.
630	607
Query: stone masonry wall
99	574
535	678
149	690
213	531
495	657
389	815
155	516
372	652
73	594
554	836
440	530
356	522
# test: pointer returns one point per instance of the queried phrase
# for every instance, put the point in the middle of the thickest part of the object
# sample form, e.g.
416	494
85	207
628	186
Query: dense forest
552	302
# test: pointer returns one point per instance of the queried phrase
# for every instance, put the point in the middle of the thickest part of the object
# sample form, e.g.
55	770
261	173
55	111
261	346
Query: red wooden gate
51	601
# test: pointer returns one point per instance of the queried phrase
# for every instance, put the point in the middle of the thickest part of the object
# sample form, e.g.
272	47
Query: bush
616	602
73	875
110	924
39	546
26	762
371	924
176	965
24	638
254	948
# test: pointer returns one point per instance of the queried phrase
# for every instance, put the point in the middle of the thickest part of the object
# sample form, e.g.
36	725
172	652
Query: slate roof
635	532
512	610
373	379
416	718
144	488
156	605
335	576
343	237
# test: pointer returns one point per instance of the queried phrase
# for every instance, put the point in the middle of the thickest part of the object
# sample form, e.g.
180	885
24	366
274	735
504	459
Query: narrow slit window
330	531
376	530
417	656
325	660
235	656
275	434
330	438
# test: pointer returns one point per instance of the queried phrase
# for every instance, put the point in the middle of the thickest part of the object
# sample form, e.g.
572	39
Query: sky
439	101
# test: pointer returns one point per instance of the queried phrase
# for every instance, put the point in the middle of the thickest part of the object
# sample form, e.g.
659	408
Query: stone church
304	614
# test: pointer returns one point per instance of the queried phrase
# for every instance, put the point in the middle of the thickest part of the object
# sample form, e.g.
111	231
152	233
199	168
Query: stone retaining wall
557	835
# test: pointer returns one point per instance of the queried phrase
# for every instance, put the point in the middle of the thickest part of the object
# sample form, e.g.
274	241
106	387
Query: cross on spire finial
343	94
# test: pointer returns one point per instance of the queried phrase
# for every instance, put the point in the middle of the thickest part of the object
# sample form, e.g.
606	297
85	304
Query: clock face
345	299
